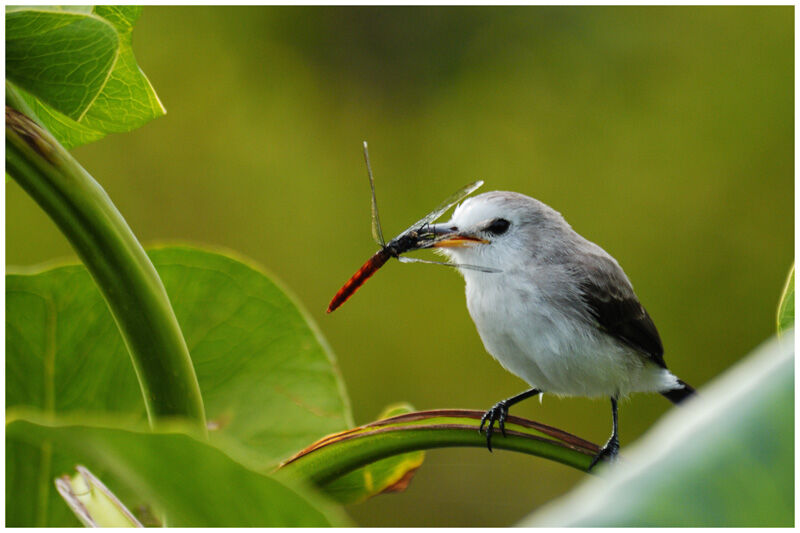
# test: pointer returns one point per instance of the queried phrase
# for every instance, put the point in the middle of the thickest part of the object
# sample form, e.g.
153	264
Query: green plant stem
785	315
119	265
336	455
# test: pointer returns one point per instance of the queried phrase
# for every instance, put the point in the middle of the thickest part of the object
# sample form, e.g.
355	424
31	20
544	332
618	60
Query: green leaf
724	459
786	305
269	382
188	480
392	474
68	132
77	71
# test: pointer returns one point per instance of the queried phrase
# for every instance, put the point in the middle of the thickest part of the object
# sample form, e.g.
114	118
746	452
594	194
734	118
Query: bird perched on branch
560	313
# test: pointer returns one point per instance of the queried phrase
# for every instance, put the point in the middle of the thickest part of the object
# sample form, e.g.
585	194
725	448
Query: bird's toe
608	453
497	413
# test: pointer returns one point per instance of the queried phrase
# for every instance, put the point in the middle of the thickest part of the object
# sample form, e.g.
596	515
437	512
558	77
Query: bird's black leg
611	448
499	413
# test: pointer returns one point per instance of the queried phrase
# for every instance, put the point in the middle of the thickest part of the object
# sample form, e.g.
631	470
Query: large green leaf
269	382
76	69
725	459
190	481
786	305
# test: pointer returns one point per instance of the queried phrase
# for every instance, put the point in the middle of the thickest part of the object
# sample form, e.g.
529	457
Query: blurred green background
663	134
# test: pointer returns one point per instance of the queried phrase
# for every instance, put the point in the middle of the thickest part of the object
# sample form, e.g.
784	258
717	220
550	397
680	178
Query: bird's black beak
449	236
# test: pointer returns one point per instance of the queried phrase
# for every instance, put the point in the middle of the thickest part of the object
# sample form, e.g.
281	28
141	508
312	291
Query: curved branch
338	454
124	274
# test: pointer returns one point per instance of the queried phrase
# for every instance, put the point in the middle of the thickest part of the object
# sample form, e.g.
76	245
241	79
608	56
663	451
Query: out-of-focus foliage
91	501
725	459
664	134
786	306
269	383
387	475
76	69
194	483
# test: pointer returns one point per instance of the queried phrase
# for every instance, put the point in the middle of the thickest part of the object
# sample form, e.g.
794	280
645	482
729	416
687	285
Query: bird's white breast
553	352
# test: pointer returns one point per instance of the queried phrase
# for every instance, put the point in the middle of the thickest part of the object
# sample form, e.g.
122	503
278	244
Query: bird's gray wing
609	295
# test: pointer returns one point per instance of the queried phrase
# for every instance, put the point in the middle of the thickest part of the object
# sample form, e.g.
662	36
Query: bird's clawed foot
609	452
498	414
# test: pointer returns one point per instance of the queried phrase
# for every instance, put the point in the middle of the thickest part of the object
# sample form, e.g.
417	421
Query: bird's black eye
498	226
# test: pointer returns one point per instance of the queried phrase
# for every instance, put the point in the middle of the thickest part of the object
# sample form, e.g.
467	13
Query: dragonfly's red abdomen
358	279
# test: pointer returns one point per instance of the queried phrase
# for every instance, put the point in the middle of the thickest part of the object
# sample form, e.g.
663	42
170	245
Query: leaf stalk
116	260
336	455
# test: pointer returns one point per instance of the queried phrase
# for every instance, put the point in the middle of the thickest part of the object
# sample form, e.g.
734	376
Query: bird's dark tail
678	395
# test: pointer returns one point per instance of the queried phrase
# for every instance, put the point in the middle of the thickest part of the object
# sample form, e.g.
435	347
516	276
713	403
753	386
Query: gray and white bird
560	313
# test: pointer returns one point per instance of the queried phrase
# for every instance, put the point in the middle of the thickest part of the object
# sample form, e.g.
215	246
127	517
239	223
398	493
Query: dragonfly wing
377	233
444	206
488	270
404	259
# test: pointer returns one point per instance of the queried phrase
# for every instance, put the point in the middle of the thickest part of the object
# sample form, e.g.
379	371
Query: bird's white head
501	230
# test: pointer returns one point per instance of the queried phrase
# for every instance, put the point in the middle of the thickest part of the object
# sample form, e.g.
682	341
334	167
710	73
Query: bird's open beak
448	236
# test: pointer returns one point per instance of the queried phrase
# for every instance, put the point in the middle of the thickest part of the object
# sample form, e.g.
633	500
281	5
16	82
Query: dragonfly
415	237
